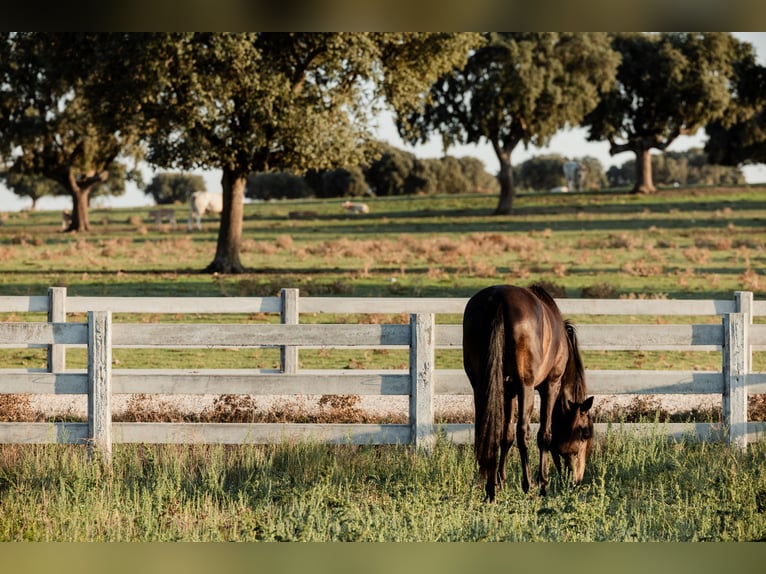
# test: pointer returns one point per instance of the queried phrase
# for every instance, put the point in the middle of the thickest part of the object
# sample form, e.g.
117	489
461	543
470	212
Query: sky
569	143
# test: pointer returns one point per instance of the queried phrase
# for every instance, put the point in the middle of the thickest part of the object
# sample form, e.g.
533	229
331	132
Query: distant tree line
399	172
690	167
395	172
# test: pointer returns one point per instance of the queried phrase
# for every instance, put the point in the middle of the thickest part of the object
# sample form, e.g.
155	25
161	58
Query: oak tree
520	87
668	84
65	113
254	102
740	135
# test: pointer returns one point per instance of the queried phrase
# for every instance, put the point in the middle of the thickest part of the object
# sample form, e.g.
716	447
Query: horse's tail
490	410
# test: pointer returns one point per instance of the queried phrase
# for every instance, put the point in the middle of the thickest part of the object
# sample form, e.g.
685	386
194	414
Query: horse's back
515	303
534	329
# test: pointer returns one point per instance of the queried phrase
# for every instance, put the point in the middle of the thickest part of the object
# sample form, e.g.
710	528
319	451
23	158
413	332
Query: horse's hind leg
507	440
523	430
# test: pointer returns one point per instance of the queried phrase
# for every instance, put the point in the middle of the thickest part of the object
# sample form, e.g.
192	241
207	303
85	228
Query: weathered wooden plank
56	314
227	335
758	336
259	433
621	337
448	305
393	305
100	384
23	334
24	304
43	433
40	382
241	381
756	431
444	305
736	348
288	356
421	375
627	382
183	305
615	382
690	307
756	383
463	433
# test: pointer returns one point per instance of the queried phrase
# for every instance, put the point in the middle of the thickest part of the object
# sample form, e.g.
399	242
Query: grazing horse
202	201
574	172
515	341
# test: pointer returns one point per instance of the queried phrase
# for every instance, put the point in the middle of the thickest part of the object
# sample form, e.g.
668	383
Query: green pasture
635	489
679	243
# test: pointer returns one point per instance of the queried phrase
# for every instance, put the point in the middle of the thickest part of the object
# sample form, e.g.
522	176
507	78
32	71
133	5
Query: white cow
574	172
202	201
356	207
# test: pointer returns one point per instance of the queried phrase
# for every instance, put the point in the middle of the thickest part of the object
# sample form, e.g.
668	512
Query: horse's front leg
548	393
523	432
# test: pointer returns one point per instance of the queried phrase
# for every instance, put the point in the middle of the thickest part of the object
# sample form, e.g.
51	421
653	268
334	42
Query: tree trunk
230	231
79	191
644	180
505	178
80	220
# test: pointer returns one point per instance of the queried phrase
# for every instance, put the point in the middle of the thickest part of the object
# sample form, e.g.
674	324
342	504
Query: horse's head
572	438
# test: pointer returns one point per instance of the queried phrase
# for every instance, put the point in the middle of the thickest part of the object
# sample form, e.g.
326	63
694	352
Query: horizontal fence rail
735	336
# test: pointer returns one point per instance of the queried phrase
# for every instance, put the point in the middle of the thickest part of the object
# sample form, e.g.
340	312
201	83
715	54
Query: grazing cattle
201	202
163	214
574	172
356	207
66	220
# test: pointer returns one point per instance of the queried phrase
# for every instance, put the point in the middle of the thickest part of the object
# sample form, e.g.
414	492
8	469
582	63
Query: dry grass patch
17	408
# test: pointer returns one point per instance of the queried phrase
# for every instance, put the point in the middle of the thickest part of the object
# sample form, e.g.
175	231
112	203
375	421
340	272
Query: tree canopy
252	102
668	84
167	188
740	136
65	113
518	87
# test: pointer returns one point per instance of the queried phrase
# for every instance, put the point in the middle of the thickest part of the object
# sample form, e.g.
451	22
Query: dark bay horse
515	341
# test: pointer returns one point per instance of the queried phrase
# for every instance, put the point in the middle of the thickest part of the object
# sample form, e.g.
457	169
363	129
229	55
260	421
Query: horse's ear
587	404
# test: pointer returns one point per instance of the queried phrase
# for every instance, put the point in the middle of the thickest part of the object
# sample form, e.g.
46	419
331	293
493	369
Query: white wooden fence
736	336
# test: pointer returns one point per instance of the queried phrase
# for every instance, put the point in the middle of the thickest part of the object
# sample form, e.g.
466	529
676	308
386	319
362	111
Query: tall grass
636	488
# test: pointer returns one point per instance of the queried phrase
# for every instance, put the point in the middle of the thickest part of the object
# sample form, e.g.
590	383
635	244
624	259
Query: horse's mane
579	390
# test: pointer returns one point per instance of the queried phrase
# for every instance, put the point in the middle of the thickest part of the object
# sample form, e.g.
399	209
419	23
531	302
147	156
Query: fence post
735	350
288	355
56	314
100	384
422	380
743	301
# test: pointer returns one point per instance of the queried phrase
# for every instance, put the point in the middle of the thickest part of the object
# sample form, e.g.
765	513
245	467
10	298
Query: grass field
679	244
635	489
